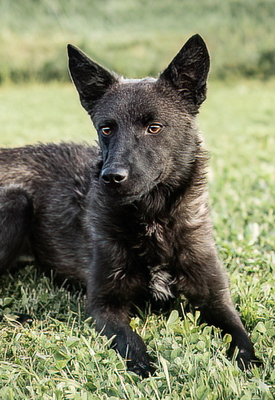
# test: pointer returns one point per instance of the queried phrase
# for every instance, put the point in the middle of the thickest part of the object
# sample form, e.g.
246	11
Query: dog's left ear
91	79
188	71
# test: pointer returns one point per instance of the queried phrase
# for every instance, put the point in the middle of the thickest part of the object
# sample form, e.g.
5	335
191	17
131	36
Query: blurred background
134	37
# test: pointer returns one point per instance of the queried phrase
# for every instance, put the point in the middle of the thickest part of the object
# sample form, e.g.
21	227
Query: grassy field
60	356
44	113
134	37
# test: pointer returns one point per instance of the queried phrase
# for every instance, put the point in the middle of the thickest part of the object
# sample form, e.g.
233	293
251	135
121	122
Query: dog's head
146	127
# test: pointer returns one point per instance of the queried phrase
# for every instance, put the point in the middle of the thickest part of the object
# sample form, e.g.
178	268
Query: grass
60	356
42	113
134	37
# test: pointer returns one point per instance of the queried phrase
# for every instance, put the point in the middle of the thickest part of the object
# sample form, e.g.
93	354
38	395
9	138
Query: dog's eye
106	130
154	129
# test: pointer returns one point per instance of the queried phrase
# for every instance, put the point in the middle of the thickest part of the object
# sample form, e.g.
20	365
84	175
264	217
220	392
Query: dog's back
31	166
52	181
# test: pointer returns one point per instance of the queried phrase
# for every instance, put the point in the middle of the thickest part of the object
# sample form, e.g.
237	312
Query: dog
129	218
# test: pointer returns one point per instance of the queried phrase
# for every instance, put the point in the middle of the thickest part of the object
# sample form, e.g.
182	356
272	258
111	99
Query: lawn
60	356
135	37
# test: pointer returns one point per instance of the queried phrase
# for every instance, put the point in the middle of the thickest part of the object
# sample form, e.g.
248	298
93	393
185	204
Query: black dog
130	218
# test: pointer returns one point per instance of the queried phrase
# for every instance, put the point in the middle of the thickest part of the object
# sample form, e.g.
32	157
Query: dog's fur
130	217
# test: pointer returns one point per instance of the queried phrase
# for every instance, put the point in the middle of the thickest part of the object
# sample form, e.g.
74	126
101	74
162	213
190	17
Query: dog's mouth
123	195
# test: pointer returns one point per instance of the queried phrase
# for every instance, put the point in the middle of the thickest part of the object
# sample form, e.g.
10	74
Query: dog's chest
159	248
157	232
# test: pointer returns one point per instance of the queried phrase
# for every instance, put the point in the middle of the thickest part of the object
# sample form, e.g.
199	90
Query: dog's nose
114	176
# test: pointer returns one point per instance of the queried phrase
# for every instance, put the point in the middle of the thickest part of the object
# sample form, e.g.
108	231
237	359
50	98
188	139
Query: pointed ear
188	71
91	79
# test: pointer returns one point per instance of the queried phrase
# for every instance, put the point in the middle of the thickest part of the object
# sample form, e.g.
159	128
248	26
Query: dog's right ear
91	79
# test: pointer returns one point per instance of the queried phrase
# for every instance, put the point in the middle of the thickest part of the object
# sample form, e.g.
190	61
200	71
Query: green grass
134	37
42	113
60	356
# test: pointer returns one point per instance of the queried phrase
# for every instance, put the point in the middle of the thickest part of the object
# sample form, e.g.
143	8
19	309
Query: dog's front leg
112	323
109	299
217	309
221	313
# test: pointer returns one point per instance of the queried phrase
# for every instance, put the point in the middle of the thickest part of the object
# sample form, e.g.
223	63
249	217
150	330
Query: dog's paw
18	318
246	359
141	365
131	347
140	368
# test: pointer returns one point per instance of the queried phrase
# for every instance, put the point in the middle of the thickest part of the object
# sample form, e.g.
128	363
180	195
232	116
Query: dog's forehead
130	97
133	93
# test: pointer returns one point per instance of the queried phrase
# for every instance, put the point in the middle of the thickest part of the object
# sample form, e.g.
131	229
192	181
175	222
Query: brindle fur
129	218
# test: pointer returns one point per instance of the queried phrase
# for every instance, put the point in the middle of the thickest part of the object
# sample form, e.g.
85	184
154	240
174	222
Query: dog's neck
162	201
